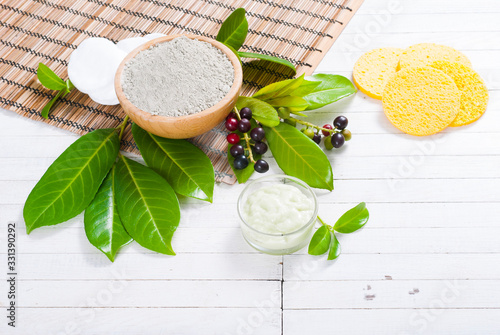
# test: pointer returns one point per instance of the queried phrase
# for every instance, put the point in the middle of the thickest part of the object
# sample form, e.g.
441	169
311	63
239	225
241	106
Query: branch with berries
275	105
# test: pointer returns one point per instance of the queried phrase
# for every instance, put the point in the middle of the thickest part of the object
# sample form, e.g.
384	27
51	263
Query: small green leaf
261	111
299	157
234	29
293	104
103	226
334	251
320	241
306	87
185	167
69	86
49	79
353	219
268	58
147	205
331	88
48	106
234	51
71	182
278	89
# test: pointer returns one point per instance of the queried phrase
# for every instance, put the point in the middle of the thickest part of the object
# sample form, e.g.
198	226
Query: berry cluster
243	155
335	136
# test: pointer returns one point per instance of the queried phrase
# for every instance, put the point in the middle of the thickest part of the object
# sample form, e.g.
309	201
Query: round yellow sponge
421	100
425	54
374	68
473	91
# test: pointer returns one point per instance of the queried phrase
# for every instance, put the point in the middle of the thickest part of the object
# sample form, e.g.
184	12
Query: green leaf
332	87
261	111
48	106
49	79
103	226
185	167
69	86
234	51
273	59
242	175
334	251
147	205
293	104
320	241
298	156
279	89
71	182
353	219
306	87
234	29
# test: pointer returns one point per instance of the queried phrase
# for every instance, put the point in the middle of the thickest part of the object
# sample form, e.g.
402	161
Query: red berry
233	138
327	126
232	115
231	124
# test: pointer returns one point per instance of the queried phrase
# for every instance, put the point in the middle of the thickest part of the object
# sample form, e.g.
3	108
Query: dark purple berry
231	124
246	113
317	138
244	125
261	166
257	134
237	150
240	162
338	140
340	122
260	148
232	115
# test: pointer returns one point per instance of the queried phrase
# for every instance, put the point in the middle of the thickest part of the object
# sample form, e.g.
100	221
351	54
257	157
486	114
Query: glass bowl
277	243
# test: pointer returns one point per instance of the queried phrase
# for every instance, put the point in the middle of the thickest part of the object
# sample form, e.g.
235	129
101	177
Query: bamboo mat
33	31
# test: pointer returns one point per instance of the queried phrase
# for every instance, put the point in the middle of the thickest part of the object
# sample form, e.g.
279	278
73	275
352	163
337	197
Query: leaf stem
309	124
122	127
246	137
324	224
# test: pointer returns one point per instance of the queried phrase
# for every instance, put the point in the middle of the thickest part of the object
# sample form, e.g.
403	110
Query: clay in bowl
184	126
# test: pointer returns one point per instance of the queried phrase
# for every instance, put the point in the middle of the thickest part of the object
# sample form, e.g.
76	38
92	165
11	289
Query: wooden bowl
188	125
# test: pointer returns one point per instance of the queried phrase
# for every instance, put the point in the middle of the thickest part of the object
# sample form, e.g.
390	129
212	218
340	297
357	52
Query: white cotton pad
92	66
130	44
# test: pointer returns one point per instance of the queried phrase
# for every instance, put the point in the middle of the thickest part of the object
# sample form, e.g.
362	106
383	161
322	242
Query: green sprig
324	239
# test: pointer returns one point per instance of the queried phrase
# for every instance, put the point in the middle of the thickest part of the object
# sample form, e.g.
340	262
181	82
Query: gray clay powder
179	77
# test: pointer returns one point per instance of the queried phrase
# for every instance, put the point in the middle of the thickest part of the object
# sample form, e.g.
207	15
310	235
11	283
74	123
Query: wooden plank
204	240
383	215
398	267
120	293
375	190
346	168
391	294
428	321
161	321
151	266
430	6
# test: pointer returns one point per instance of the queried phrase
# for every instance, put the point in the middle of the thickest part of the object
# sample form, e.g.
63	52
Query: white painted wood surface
427	263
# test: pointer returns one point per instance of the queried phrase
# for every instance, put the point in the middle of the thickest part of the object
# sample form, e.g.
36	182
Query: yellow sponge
421	100
374	68
425	54
473	91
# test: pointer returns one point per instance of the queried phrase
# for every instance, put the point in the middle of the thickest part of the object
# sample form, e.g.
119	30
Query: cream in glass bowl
277	214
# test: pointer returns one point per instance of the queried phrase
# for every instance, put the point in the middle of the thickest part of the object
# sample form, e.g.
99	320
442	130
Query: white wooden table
428	261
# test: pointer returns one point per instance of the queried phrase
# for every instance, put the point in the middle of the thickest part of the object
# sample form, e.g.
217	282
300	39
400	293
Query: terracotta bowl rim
233	91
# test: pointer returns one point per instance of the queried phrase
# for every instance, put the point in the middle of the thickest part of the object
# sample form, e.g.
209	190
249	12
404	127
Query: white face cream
277	209
278	214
